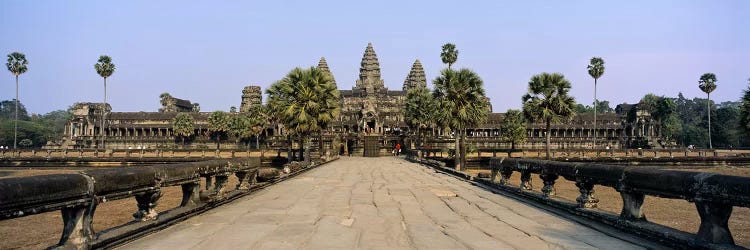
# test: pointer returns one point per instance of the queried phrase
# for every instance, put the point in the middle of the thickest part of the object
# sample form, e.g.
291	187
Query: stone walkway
377	203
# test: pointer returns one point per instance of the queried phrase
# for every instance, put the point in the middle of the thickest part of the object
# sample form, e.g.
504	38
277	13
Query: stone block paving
377	203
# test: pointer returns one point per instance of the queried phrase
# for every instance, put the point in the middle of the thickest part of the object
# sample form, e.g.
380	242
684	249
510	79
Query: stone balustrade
77	195
714	195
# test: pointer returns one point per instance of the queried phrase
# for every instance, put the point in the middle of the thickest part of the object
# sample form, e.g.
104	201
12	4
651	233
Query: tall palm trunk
708	104
15	127
104	112
595	104
457	150
547	135
463	149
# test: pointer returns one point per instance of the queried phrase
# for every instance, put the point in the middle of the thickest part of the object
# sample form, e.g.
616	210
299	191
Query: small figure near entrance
397	150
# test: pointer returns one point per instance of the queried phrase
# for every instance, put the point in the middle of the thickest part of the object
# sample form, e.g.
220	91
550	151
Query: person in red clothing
398	149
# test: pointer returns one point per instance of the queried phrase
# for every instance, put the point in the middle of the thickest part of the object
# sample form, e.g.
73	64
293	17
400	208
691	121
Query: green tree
514	127
596	70
306	101
707	84
239	127
196	107
460	99
17	65
581	109
418	110
745	109
8	107
104	67
548	100
183	126
449	55
219	125
603	107
257	122
232	109
26	143
727	133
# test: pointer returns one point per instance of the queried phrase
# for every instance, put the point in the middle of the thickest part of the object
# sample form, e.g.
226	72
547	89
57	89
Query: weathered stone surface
377	203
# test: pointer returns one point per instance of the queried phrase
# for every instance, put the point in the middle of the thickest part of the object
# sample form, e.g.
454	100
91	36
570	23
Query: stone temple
368	110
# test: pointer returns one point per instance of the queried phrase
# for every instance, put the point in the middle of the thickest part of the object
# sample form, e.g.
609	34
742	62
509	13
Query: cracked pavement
377	203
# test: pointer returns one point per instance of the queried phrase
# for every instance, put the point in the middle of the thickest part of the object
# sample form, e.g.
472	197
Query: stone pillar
548	189
190	194
714	223
587	199
146	205
505	174
526	180
78	230
631	206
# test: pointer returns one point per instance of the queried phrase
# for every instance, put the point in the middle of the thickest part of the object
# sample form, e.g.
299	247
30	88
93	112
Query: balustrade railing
714	195
77	195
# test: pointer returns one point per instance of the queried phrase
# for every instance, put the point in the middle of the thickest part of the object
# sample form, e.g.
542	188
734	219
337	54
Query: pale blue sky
207	51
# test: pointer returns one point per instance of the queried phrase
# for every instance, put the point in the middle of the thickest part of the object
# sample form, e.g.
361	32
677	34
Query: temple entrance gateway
372	146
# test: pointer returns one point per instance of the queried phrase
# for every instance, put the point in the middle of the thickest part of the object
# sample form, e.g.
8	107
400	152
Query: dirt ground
43	230
679	214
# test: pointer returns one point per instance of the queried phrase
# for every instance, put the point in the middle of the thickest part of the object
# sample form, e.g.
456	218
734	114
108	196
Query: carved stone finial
370	70
416	77
251	97
323	65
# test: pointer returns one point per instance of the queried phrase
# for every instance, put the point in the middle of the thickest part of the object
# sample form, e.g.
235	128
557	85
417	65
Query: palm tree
596	70
459	96
257	122
548	100
306	101
104	67
449	55
418	110
219	125
707	84
17	65
183	126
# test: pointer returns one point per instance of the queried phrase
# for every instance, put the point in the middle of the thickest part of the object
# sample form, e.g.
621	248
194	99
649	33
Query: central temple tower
369	72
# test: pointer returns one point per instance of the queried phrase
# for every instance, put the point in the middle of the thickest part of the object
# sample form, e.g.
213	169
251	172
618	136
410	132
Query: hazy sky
207	51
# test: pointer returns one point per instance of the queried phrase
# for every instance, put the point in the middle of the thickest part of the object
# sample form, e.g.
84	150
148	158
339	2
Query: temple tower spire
416	77
323	65
369	71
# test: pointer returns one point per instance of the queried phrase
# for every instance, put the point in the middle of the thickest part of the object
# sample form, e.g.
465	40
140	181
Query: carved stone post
216	191
146	205
631	206
526	180
548	190
505	176
191	194
221	185
714	223
493	174
245	179
587	199
78	231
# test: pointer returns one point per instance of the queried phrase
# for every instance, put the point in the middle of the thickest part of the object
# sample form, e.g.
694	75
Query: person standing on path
398	149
